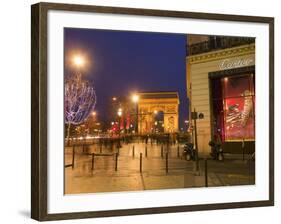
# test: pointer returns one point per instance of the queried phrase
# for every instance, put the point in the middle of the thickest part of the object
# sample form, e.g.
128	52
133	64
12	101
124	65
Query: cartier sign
235	63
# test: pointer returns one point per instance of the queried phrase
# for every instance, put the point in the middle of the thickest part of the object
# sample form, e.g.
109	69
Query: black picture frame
39	106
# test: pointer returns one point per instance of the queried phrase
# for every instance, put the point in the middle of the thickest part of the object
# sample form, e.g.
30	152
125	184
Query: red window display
234	107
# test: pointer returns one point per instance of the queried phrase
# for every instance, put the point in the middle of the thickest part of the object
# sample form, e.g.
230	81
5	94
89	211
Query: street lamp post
155	121
94	116
119	113
135	99
78	62
187	124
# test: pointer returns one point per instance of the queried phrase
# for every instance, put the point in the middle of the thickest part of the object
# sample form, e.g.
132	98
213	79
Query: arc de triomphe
154	102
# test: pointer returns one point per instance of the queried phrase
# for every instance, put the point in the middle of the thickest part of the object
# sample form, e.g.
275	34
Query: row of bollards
145	153
116	161
162	151
116	157
141	162
133	151
167	163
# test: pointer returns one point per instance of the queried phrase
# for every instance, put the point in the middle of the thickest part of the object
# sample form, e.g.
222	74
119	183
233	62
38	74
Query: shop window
234	107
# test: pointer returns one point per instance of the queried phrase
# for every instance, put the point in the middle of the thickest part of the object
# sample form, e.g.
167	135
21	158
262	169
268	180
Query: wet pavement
161	168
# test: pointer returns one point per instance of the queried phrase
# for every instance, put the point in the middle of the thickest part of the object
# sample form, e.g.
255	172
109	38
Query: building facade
221	85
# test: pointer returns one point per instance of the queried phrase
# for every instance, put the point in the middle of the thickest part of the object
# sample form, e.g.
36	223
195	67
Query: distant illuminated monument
152	103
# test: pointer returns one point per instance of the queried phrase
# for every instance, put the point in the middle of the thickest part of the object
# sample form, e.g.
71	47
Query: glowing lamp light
78	61
119	112
94	113
135	98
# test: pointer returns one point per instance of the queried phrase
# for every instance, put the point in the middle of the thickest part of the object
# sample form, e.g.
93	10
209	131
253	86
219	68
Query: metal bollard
145	151
249	161
197	160
93	161
178	154
140	162
206	173
243	150
167	162
162	151
73	156
116	161
133	151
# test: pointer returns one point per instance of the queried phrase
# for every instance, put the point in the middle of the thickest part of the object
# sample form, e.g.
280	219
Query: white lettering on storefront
230	64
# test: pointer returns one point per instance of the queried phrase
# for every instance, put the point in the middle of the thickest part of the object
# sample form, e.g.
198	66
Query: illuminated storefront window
234	107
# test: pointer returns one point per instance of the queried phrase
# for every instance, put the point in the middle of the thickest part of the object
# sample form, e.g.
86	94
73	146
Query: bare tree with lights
79	100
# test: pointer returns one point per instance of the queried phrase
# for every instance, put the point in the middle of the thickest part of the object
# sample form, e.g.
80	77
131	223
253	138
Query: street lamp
78	61
135	99
72	100
186	122
119	113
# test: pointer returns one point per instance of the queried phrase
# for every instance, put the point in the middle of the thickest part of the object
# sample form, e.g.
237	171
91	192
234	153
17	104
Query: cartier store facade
221	85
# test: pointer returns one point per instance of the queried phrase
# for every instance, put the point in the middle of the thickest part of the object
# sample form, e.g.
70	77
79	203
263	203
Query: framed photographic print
138	111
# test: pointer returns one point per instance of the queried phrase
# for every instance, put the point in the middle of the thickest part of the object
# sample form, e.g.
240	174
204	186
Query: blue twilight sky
123	62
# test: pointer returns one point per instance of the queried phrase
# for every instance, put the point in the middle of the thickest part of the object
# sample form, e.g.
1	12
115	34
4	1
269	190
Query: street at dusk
151	111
